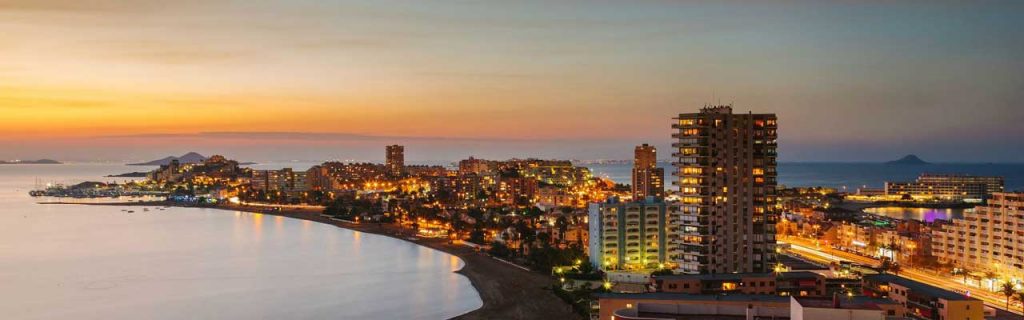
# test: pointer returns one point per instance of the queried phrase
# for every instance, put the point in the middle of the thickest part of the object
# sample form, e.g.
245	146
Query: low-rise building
675	306
843	308
663	305
799	283
923	301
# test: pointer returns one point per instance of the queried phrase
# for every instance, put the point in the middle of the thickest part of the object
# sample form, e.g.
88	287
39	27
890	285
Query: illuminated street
808	250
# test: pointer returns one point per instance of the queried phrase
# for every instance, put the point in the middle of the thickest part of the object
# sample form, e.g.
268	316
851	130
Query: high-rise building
631	235
395	160
725	171
648	179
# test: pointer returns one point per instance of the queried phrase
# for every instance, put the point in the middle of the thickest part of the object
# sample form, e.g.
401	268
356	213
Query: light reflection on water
92	262
920	214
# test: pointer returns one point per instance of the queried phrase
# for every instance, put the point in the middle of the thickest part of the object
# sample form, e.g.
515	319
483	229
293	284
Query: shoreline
507	292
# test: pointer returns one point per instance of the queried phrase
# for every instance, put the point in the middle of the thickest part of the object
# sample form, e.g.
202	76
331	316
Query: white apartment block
991	238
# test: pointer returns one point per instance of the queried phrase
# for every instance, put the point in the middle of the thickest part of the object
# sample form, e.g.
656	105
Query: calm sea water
849	175
920	214
94	262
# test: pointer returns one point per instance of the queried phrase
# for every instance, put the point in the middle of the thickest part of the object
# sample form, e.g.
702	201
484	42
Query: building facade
648	179
922	301
284	180
948	187
631	235
798	283
395	160
990	238
726	178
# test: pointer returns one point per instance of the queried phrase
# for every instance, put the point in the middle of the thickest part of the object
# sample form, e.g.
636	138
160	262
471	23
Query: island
909	159
40	161
191	157
136	174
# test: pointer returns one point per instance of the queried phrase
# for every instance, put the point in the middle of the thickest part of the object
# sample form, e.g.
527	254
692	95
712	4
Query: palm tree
1020	297
1007	290
563	225
885	265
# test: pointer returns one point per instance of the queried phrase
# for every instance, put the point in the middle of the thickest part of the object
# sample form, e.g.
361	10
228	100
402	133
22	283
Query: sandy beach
507	291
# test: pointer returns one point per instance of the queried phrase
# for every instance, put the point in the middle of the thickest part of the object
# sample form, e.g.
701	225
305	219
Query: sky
310	80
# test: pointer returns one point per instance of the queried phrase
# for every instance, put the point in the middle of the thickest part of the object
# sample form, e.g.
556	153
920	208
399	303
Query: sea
104	262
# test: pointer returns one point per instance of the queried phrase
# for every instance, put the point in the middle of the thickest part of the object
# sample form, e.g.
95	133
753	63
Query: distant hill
130	175
190	157
908	160
40	161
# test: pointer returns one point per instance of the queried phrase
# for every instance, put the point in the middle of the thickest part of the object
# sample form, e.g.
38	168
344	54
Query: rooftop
692	297
855	303
739	276
917	287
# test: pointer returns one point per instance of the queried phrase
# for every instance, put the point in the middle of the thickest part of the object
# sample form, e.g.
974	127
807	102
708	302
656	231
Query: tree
661	272
476	214
885	265
586	267
499	249
525	233
477	236
457	224
1007	290
960	272
1020	297
544	238
562	224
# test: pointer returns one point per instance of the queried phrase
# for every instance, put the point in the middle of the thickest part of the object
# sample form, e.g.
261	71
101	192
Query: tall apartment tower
648	179
725	171
395	160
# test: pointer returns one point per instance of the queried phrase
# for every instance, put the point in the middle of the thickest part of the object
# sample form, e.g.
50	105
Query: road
811	251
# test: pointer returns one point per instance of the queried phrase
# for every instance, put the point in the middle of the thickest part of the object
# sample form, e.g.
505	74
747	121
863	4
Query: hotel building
950	187
725	171
284	180
648	179
395	160
631	235
990	238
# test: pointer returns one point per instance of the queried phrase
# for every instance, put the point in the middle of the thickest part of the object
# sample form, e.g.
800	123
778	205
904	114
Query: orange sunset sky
850	80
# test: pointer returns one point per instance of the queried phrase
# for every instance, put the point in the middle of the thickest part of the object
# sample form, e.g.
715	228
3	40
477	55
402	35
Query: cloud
90	6
180	56
301	136
493	75
165	52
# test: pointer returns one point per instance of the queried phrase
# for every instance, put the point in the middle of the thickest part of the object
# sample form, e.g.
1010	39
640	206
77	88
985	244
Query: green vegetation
579	299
